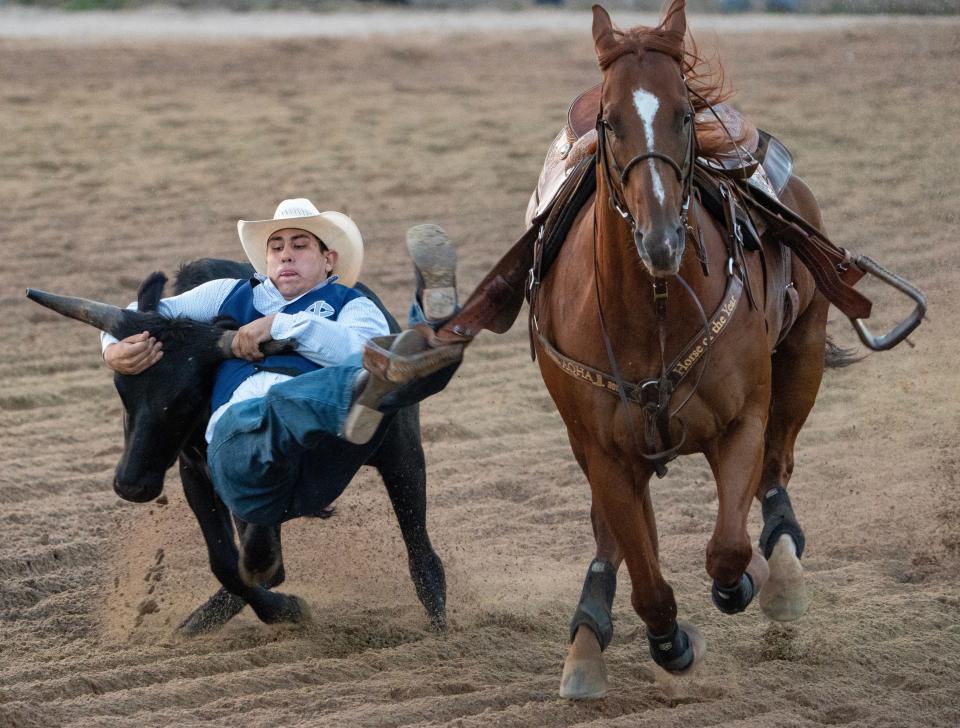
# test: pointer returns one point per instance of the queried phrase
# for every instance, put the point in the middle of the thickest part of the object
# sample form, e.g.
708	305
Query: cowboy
267	414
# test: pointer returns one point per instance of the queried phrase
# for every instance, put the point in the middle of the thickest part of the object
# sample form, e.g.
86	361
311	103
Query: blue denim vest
239	306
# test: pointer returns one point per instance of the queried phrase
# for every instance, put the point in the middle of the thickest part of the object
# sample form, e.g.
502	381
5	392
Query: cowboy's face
296	261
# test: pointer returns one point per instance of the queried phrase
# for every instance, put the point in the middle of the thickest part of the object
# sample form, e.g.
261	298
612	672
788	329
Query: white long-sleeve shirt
317	338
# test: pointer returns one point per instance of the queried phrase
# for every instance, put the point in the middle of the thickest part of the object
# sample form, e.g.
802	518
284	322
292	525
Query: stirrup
384	359
370	390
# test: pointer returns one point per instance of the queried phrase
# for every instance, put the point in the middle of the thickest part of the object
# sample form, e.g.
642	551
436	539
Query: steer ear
148	296
100	315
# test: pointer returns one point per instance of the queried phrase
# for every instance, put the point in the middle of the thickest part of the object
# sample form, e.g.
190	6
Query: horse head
646	132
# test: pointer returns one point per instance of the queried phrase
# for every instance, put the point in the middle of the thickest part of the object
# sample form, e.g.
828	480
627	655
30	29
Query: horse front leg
591	628
735	457
621	491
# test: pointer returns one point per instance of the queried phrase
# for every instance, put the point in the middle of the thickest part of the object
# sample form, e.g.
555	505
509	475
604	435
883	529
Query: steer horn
267	348
100	315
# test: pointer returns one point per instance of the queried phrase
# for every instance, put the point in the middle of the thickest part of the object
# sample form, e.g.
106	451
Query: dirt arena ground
122	158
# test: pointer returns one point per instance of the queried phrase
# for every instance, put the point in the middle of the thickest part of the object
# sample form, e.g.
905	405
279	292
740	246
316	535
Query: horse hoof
584	670
696	645
784	596
699	645
759	570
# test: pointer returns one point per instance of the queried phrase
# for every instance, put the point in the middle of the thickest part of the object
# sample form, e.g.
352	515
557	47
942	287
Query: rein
655	394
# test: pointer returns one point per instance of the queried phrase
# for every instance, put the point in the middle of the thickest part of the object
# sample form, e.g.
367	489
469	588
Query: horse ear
675	17
602	30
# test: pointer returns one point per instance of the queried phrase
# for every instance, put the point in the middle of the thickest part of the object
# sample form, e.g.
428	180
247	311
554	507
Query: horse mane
706	80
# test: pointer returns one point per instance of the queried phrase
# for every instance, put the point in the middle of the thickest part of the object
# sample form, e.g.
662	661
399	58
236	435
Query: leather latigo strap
682	364
496	301
829	264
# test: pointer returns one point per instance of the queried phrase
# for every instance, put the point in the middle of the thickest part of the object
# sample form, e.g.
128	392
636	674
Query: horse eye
687	118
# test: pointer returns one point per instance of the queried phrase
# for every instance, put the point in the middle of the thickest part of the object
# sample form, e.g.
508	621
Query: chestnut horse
624	260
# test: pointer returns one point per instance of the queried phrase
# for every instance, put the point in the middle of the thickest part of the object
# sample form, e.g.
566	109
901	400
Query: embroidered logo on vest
321	309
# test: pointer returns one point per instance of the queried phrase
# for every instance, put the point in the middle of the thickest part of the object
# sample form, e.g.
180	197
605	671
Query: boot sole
436	261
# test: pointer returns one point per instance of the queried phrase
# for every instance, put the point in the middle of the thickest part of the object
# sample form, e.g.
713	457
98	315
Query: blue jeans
278	457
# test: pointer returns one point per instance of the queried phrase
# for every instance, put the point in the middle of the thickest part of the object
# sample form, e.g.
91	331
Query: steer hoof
211	616
584	671
295	611
276	608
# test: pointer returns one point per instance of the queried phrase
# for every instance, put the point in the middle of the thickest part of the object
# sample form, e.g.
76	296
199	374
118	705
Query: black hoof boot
734	599
779	520
595	609
673	652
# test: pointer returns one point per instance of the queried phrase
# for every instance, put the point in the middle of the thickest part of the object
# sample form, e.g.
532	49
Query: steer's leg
215	524
261	556
400	461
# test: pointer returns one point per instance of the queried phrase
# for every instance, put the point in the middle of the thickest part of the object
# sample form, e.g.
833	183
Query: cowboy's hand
246	344
133	354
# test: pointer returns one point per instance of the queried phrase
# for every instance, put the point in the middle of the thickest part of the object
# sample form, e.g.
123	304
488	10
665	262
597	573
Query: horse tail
837	357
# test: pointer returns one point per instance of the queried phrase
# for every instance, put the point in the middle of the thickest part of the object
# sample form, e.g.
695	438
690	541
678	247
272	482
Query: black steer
166	409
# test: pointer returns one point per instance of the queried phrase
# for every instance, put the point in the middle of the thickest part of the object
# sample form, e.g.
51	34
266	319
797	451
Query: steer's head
166	403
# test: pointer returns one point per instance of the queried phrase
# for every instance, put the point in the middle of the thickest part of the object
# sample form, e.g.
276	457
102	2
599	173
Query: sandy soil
121	159
163	22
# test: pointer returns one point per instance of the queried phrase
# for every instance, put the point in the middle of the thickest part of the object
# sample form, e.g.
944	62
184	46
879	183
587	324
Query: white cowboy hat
337	231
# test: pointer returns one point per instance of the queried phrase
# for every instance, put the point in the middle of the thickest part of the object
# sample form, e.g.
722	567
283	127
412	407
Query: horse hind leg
797	370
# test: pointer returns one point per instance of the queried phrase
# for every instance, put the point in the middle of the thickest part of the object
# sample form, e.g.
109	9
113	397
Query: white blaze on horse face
646	105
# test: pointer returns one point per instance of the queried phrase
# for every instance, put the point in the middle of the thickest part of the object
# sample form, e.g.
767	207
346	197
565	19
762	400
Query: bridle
606	160
657	392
